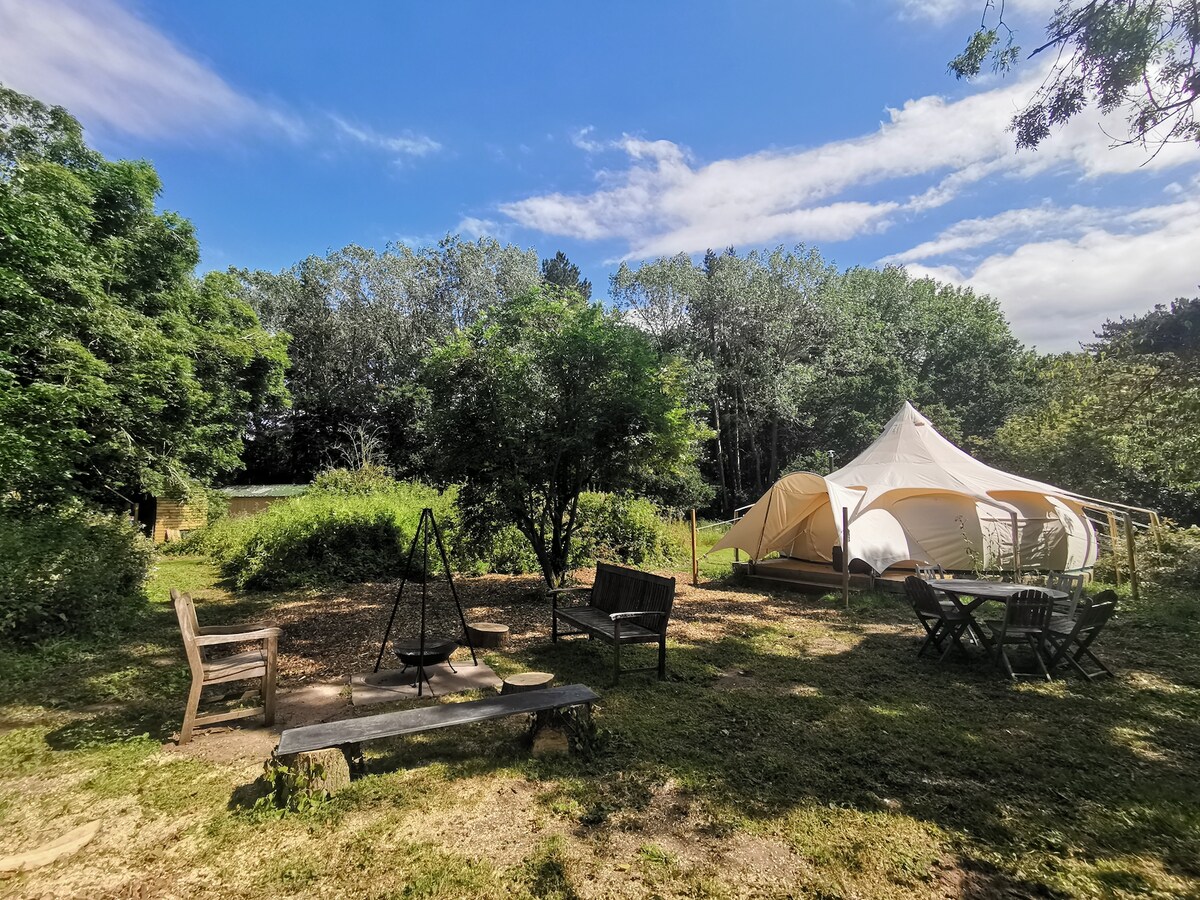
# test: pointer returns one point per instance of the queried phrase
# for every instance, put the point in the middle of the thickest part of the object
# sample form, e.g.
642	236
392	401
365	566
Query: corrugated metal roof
264	490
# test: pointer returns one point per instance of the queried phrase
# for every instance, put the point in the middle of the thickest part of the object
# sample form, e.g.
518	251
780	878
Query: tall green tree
563	273
1119	420
543	397
360	323
795	360
120	372
1135	55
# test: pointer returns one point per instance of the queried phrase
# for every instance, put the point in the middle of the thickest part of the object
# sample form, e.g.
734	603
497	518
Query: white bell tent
914	497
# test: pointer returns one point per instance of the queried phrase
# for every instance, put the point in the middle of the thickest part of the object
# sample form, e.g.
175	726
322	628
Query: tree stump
487	635
526	681
321	773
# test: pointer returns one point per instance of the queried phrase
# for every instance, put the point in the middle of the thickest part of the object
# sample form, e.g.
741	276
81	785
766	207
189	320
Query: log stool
487	634
526	681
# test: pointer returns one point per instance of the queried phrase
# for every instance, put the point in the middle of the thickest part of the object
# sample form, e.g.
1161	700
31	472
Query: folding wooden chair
1026	621
941	619
1070	584
1072	640
257	663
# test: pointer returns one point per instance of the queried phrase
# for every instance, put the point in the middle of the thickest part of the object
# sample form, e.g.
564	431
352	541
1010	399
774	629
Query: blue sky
620	131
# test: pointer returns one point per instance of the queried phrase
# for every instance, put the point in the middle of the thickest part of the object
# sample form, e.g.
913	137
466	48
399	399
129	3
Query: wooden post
1016	545
695	562
1156	530
846	557
1133	577
1113	544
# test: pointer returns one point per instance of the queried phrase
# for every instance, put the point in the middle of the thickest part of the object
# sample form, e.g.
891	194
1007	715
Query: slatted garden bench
624	606
347	733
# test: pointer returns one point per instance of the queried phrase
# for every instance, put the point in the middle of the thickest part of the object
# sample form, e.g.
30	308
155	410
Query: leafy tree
360	323
119	371
1119	420
562	272
543	397
794	359
1134	54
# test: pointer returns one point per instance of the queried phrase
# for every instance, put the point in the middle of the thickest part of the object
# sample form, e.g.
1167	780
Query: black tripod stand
425	650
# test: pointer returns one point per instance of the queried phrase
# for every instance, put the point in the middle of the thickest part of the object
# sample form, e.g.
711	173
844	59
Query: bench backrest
618	589
189	627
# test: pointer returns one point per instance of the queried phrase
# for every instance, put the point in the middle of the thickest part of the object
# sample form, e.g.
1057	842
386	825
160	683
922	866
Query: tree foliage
360	322
794	359
1118	421
563	273
543	397
1139	55
120	372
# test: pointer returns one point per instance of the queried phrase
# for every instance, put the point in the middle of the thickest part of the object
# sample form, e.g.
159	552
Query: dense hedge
332	533
69	572
357	526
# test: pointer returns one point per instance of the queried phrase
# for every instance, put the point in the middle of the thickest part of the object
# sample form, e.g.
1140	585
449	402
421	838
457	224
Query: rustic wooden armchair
259	662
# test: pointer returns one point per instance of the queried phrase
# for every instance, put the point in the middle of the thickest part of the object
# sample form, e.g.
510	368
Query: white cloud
663	201
942	11
1057	291
116	72
475	228
400	146
1026	223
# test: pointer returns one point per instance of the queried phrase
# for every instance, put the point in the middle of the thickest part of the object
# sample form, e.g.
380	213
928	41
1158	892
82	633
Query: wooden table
977	592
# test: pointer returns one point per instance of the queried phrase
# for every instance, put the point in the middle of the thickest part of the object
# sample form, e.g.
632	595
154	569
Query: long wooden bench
624	606
346	732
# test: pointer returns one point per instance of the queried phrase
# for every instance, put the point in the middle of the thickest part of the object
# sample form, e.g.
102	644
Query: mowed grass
795	750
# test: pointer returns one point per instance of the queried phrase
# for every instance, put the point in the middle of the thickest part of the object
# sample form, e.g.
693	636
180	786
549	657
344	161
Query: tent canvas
914	497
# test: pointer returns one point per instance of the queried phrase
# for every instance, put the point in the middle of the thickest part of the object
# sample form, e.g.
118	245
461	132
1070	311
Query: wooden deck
810	576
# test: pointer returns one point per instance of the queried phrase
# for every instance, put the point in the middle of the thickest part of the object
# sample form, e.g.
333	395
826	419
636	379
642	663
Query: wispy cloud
403	146
941	11
116	72
119	74
1096	264
663	201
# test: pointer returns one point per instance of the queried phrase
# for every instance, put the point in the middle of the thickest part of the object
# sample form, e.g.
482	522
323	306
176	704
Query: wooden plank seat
346	732
624	606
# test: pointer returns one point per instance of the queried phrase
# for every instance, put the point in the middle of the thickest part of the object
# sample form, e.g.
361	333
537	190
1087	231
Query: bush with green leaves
1171	559
69	572
341	530
610	528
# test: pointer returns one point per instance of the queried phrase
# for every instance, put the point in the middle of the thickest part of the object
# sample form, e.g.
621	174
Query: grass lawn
795	750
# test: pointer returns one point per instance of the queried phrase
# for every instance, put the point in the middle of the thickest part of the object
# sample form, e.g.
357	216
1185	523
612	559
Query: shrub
1173	559
621	529
609	527
69	572
344	529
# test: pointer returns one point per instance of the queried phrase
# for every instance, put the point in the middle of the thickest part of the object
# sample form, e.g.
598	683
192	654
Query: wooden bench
624	606
348	732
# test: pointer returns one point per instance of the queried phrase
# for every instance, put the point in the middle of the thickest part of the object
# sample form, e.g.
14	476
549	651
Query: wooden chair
941	619
1070	584
1026	621
257	663
932	572
1072	640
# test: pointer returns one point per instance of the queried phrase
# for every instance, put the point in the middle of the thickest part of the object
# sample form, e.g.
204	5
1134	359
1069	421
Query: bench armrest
633	615
232	629
261	634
